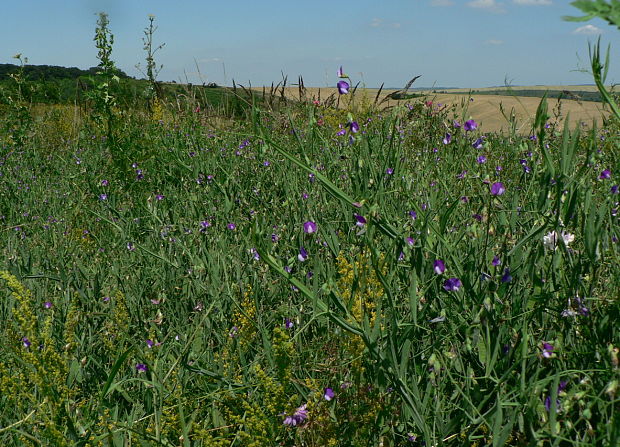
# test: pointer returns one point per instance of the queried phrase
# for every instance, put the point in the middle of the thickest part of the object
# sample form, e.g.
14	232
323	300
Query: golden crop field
484	108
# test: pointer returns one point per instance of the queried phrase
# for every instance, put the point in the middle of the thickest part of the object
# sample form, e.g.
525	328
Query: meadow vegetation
296	274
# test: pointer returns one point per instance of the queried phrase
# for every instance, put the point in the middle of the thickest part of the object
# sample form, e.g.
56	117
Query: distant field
485	108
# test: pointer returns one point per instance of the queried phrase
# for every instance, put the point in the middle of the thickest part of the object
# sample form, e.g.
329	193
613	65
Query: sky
450	43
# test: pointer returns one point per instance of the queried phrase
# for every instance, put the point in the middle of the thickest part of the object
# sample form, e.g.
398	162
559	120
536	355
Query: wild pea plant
312	277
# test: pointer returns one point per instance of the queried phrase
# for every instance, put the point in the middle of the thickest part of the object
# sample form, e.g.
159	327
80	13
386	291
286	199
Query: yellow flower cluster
359	286
37	373
360	290
157	110
118	324
244	319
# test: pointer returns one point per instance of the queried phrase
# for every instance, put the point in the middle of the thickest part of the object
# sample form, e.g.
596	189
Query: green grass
140	267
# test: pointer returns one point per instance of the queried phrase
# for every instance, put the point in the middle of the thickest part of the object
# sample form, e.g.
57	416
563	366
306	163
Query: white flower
550	240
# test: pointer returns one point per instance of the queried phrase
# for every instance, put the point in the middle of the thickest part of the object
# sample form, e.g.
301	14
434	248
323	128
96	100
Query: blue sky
460	43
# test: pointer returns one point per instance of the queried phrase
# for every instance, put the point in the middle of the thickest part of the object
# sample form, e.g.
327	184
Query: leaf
115	368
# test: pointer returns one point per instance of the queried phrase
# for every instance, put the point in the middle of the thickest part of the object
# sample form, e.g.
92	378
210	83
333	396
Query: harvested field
484	108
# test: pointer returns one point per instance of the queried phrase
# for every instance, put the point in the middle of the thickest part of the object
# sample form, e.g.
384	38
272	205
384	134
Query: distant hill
51	72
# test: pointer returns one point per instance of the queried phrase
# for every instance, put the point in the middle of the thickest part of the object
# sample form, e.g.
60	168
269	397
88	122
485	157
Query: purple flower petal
506	277
470	125
303	254
360	221
497	189
439	267
310	227
343	87
328	394
452	284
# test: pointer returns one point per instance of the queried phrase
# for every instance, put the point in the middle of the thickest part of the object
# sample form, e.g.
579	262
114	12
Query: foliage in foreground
290	282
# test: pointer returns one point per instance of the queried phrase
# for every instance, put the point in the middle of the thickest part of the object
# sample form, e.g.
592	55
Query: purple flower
447	138
614	189
141	367
506	277
452	284
389	171
496	261
150	343
233	332
343	87
231	226
159	197
328	394
300	415
470	125
548	403
456	124
139	174
341	132
104	182
288	323
547	350
410	241
478	143
561	387
354	126
48	304
413	215
340	73
254	254
481	159
303	254
360	221
130	246
309	227
497	189
439	267
26	342
103	197
605	174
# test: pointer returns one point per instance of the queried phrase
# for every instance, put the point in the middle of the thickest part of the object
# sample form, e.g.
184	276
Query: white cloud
380	23
442	3
494	42
588	30
487	5
532	2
